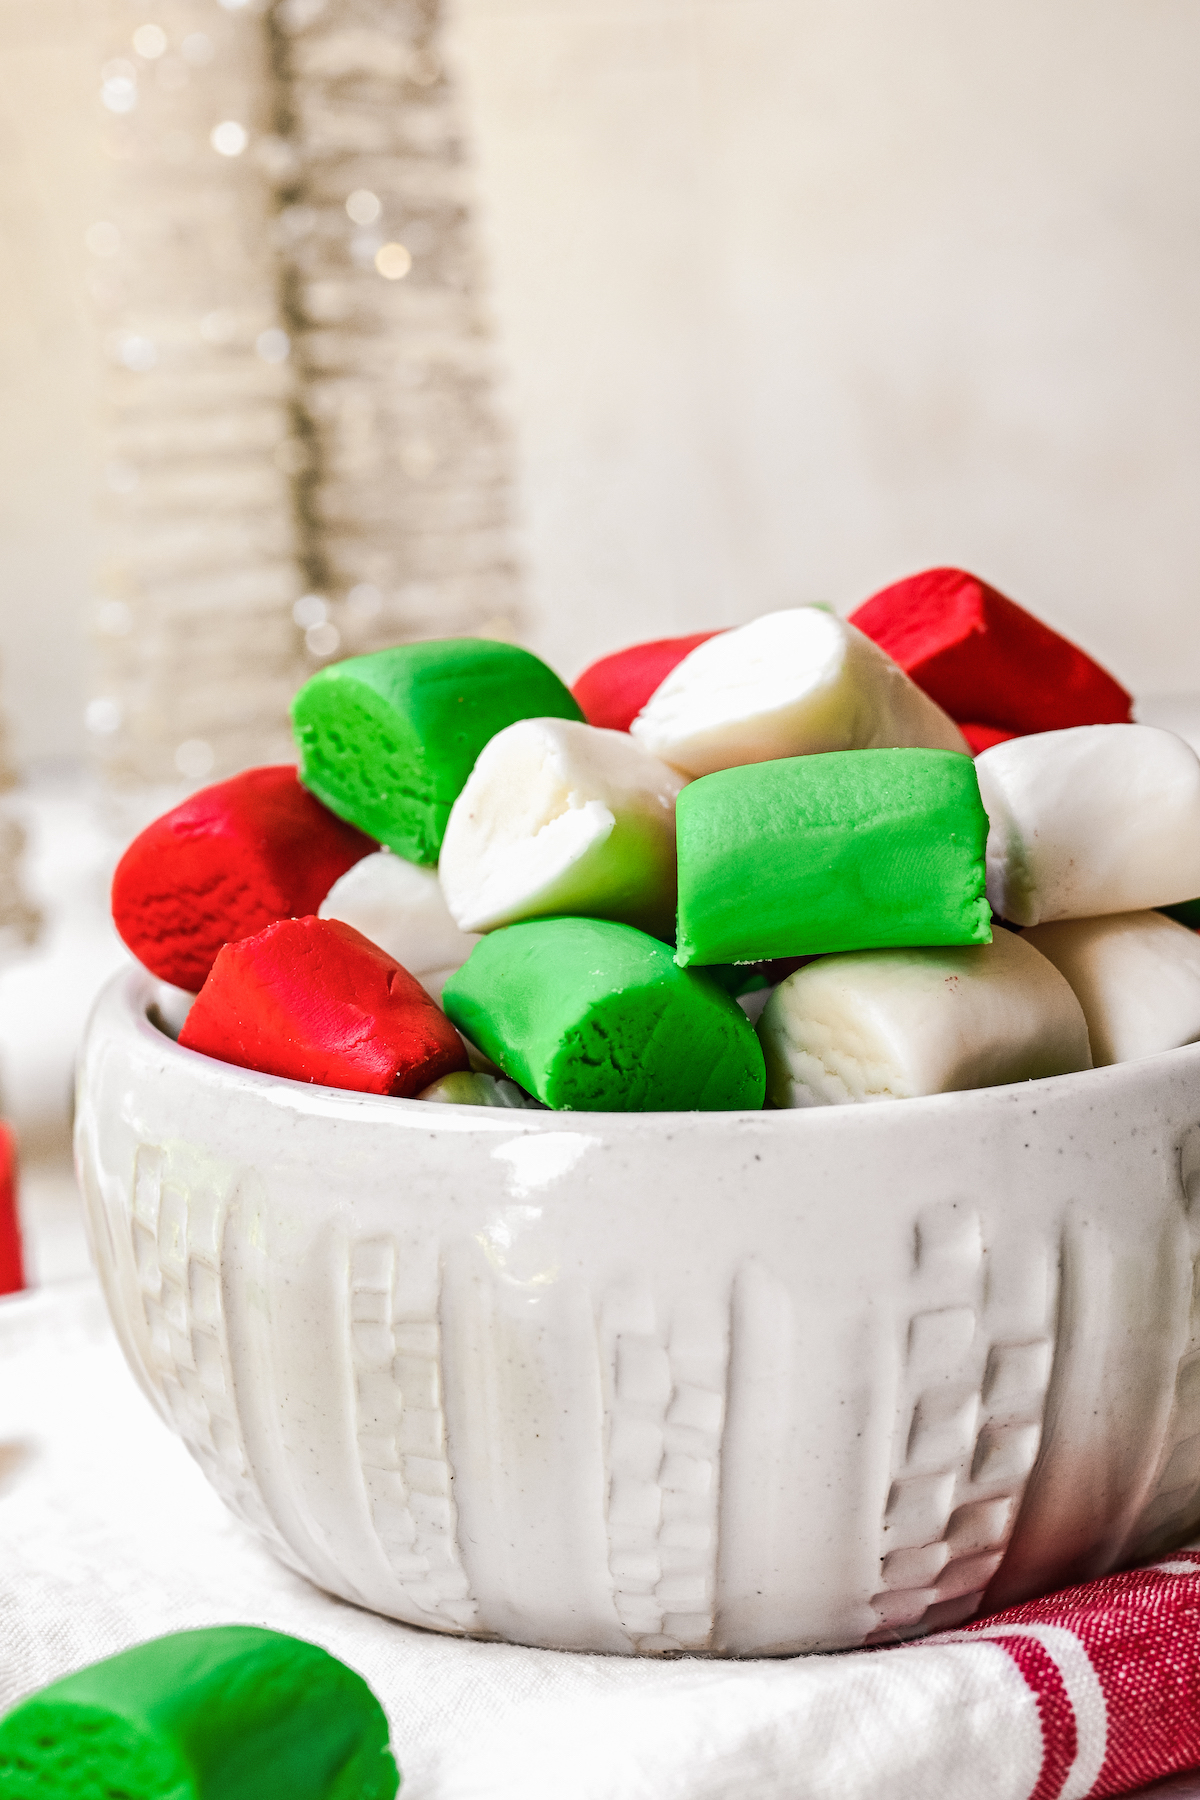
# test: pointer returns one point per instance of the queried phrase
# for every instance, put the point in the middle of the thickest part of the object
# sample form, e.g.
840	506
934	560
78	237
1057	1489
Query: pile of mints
805	861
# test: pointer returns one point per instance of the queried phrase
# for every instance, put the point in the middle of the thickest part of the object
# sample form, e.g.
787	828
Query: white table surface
112	1535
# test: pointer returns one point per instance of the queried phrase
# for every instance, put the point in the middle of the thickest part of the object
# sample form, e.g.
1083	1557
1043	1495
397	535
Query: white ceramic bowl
728	1383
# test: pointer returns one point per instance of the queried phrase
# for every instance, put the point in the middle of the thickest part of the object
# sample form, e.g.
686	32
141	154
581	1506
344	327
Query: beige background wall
48	88
801	294
795	295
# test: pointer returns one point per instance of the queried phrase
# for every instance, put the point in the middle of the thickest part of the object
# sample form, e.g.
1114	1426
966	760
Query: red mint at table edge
223	864
613	690
12	1267
314	1000
985	659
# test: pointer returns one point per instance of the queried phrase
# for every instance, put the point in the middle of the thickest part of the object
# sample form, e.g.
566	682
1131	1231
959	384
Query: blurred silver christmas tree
405	503
198	651
302	459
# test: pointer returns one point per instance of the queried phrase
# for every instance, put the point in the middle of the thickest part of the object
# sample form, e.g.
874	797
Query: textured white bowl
726	1383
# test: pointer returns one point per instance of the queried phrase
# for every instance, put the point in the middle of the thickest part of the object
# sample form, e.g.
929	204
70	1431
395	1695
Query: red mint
613	691
987	660
226	862
314	1000
12	1274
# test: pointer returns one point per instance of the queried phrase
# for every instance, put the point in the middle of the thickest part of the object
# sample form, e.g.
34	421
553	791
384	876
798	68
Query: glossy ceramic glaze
723	1383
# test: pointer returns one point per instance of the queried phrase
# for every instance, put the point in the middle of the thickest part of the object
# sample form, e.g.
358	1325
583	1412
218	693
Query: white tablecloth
109	1535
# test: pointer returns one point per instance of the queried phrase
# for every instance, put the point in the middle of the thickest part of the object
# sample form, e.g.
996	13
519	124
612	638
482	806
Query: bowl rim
123	1005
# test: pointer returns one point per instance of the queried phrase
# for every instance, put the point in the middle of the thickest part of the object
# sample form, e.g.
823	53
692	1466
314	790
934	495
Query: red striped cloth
1114	1667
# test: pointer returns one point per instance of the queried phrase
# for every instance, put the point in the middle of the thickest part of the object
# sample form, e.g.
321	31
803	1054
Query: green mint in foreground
228	1713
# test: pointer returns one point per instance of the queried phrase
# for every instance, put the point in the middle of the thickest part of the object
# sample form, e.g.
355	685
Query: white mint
476	1089
559	817
789	684
399	906
892	1024
1098	819
1136	976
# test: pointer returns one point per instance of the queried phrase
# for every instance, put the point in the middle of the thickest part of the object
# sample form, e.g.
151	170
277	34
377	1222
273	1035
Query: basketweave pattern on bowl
666	1397
176	1232
401	1429
1174	1505
969	1422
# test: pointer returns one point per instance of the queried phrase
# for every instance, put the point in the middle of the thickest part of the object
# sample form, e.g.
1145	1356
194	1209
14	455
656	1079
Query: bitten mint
853	850
387	741
227	1713
591	1015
